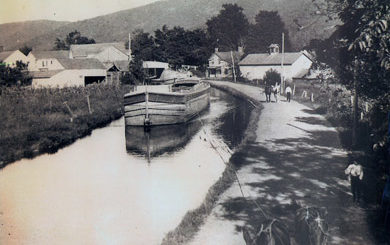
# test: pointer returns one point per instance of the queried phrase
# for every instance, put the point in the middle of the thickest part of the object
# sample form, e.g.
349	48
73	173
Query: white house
295	64
46	60
74	72
10	58
221	63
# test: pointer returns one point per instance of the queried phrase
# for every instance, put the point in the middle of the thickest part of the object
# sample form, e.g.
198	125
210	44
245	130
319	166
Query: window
51	62
43	63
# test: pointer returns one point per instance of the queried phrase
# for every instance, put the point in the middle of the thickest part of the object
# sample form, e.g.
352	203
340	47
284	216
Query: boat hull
165	108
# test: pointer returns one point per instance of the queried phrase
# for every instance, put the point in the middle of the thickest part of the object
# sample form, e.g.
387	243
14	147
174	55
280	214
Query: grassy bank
194	219
36	121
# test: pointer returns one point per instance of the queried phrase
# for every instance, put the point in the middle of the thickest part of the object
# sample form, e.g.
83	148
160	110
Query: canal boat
166	104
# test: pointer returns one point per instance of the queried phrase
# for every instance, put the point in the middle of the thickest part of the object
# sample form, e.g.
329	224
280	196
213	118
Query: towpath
296	156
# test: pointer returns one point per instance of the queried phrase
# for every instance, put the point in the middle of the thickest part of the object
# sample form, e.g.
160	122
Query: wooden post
293	92
89	105
70	111
312	97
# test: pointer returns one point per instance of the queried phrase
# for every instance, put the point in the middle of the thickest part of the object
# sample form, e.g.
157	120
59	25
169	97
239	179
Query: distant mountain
191	14
16	34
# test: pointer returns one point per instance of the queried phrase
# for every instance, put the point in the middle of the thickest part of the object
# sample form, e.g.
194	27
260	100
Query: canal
120	185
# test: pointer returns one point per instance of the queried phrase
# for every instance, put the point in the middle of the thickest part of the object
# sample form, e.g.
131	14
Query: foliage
267	30
178	46
271	77
228	29
72	38
14	76
362	46
37	120
136	73
25	49
142	45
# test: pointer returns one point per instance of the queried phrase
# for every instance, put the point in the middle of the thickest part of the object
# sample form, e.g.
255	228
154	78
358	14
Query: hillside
189	14
15	34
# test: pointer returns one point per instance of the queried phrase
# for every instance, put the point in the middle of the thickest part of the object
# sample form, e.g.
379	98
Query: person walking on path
288	93
275	89
355	176
268	91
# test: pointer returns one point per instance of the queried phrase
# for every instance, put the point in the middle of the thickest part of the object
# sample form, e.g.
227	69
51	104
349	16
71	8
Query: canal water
120	185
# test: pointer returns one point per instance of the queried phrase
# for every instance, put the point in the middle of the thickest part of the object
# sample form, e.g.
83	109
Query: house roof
88	49
271	59
4	55
44	74
155	64
227	57
58	54
81	64
123	65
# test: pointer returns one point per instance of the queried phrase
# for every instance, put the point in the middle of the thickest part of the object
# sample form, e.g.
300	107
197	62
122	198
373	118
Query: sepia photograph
197	122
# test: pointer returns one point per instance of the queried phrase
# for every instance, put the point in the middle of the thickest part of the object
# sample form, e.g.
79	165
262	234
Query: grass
36	121
194	219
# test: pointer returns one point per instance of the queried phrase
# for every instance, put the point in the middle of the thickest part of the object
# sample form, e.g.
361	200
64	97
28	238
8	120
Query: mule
310	229
310	226
270	232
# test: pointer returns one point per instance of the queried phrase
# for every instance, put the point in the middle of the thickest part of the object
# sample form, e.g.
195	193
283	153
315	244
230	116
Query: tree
271	77
363	46
178	46
25	49
72	38
267	30
142	45
228	29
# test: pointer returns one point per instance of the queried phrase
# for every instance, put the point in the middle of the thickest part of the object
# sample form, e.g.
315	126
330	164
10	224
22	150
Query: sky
62	10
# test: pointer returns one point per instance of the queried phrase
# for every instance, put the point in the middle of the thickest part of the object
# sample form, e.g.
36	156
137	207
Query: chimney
216	50
1	48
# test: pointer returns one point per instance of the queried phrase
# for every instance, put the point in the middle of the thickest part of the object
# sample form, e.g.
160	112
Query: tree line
227	31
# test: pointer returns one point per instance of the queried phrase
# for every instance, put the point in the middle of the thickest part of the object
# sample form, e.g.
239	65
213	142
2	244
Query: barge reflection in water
160	140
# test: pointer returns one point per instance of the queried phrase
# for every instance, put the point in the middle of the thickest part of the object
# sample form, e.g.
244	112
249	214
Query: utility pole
129	46
355	104
282	76
234	70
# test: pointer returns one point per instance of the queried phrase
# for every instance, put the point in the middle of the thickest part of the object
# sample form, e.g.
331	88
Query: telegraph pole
234	70
282	76
355	105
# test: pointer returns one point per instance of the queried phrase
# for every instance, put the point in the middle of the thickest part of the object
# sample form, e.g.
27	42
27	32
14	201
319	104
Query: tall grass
35	121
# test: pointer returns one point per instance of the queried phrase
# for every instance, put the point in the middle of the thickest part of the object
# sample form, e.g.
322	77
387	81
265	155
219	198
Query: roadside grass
38	121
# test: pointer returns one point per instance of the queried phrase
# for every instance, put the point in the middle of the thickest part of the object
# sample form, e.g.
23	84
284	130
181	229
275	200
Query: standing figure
288	93
268	91
355	176
276	90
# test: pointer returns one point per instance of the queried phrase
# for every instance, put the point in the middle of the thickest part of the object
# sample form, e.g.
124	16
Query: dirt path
296	156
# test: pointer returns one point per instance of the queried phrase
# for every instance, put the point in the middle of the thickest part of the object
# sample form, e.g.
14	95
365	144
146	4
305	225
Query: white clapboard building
295	64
